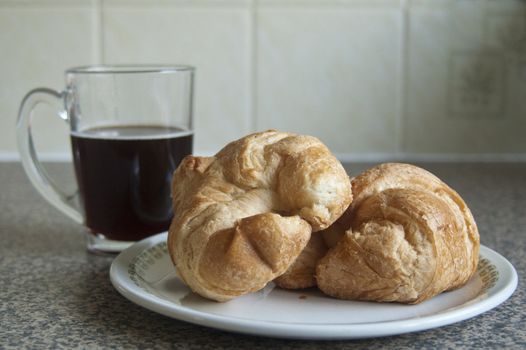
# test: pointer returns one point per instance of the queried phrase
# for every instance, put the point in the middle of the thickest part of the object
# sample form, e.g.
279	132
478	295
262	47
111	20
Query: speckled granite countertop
53	294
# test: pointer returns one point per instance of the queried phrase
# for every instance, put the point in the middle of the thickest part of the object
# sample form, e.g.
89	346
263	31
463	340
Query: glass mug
130	126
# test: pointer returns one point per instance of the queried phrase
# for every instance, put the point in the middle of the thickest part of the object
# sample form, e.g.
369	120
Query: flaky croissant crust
409	238
242	217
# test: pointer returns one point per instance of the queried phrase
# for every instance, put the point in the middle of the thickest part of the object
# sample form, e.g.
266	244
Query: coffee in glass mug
130	127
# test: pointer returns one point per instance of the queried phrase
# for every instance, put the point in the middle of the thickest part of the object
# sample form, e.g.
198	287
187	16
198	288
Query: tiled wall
368	77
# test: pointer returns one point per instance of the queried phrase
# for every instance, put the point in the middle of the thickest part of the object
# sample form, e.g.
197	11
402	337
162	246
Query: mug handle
34	169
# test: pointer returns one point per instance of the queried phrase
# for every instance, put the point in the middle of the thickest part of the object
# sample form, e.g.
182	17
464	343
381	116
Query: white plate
145	275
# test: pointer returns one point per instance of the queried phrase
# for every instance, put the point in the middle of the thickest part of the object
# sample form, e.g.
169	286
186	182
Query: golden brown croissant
411	237
301	274
243	216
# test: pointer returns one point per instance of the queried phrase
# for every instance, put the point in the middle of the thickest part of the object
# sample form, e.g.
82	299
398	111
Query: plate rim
503	289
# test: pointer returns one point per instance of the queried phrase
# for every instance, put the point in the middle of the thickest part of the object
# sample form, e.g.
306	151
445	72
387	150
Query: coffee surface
124	175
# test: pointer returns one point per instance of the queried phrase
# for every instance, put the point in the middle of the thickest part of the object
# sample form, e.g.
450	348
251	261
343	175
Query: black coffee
124	175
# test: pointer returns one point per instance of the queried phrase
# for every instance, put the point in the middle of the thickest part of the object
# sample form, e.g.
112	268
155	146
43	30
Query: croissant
409	238
301	274
243	216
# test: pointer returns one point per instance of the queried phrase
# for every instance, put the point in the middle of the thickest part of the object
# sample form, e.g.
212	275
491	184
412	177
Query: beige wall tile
429	3
215	40
329	68
463	89
328	3
38	3
37	45
331	73
179	3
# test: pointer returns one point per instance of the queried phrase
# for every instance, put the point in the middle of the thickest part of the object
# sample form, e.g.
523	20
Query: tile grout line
125	4
100	14
201	4
253	68
97	29
6	156
403	71
330	4
28	4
